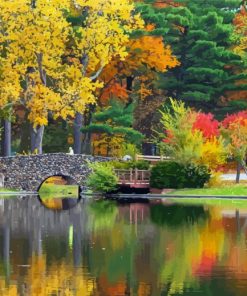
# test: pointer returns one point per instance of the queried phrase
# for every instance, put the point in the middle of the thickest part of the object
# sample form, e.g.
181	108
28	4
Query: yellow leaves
28	32
40	44
77	91
213	153
240	22
144	90
150	50
41	99
9	84
106	30
108	145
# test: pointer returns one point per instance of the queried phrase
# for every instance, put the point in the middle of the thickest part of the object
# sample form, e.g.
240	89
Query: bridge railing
152	158
133	176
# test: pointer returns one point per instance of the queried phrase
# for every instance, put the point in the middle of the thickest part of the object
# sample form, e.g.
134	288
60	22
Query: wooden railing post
136	176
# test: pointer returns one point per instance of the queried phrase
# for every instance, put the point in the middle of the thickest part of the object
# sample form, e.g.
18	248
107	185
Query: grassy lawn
7	190
229	190
58	191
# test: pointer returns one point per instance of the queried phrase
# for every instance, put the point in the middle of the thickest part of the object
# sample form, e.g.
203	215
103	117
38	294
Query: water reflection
59	193
59	203
104	248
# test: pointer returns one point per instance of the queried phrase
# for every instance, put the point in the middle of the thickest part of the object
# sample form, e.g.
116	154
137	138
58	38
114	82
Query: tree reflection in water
105	248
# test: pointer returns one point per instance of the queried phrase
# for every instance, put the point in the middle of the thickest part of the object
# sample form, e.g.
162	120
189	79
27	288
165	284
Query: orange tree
234	130
134	79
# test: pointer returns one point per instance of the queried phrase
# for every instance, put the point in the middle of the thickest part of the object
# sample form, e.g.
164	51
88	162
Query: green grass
58	191
8	193
237	190
3	189
7	190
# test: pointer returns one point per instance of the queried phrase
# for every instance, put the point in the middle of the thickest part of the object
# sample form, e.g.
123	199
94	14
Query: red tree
207	124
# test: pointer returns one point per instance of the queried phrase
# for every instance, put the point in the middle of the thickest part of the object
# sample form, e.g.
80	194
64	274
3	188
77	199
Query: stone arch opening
59	179
54	195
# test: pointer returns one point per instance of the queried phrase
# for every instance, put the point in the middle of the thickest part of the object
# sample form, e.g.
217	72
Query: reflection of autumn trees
120	257
190	251
109	249
56	279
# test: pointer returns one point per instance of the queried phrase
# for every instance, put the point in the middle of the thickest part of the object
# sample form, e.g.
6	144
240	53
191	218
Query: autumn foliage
207	125
192	137
147	55
234	129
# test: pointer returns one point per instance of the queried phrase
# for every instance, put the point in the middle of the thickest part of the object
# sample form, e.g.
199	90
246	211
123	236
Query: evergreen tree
201	36
115	121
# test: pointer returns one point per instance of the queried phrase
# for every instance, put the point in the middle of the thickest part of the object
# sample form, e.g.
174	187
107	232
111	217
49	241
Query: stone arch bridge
28	172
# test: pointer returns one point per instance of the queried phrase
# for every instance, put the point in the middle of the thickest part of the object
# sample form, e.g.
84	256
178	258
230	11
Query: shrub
174	175
129	149
140	165
126	165
102	179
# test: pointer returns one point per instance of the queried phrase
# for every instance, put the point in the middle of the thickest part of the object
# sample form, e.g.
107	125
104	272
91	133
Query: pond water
108	248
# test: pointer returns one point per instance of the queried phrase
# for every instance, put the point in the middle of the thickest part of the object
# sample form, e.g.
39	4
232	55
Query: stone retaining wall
28	172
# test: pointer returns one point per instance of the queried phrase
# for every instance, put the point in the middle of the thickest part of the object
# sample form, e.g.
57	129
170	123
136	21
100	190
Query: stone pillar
1	180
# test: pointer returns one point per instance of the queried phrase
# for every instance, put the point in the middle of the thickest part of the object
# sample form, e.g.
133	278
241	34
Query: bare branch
42	72
97	74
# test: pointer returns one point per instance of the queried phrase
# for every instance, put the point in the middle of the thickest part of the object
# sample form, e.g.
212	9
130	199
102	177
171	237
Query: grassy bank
7	190
229	190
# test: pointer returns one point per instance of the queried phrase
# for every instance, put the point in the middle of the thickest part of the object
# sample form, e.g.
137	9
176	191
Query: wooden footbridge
134	178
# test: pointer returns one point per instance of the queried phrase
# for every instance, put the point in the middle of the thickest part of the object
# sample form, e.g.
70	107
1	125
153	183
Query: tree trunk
7	138
243	163
36	139
239	166
77	133
129	87
87	141
25	137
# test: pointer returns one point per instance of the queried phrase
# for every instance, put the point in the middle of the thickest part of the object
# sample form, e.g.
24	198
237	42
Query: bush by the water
103	178
174	175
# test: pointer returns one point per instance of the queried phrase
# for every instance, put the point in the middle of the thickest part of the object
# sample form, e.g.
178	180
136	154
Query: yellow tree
58	63
33	38
9	94
101	30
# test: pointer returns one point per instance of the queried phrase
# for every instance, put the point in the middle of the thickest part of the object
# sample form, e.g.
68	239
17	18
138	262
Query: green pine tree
201	36
115	120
